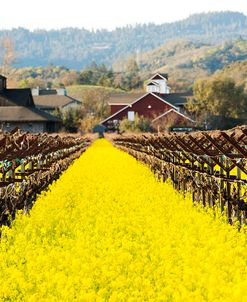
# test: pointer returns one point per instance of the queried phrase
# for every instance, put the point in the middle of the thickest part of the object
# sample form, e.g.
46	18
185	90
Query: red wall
141	108
157	77
116	108
172	119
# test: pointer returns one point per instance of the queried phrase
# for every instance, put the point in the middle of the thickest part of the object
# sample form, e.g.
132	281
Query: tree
33	83
97	75
218	97
140	124
71	119
95	108
87	124
132	66
132	78
9	56
70	78
95	103
86	77
8	59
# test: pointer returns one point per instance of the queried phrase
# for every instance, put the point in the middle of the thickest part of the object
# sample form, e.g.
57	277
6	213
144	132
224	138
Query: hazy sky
93	14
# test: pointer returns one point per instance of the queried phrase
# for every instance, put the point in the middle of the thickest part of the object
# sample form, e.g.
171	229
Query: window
131	115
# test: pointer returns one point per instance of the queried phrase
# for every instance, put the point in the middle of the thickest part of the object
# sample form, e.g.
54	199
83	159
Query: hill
76	48
185	61
236	71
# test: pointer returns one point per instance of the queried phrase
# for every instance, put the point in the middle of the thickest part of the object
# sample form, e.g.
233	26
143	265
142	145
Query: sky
107	14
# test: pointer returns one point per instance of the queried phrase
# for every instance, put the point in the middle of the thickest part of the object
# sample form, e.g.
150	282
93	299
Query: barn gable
172	118
158	84
159	76
149	105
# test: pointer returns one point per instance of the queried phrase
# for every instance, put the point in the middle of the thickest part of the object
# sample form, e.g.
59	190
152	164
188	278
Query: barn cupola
3	83
158	84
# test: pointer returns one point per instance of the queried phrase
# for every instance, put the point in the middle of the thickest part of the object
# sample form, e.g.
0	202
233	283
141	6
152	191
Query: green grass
77	91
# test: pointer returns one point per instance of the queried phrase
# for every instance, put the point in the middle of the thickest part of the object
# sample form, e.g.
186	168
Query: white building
158	84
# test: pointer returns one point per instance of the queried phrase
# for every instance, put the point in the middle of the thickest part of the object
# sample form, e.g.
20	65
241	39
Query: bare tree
9	56
95	108
95	103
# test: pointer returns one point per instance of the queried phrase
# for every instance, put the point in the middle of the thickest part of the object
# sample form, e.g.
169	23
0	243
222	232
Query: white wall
162	85
160	88
153	88
61	91
35	91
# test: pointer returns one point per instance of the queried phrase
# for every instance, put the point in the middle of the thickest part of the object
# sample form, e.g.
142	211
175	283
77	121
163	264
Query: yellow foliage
107	230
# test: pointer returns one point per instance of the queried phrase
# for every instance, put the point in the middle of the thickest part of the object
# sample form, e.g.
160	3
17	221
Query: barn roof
123	98
25	114
172	98
159	75
53	100
176	98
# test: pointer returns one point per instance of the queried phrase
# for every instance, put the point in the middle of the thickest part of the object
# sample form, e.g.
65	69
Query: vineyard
108	230
28	164
210	165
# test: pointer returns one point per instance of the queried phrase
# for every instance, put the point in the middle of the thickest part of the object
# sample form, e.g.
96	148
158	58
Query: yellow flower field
107	230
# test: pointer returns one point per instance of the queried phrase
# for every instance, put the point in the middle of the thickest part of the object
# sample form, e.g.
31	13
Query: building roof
16	97
176	98
25	114
123	98
47	91
53	100
164	75
159	76
172	98
153	83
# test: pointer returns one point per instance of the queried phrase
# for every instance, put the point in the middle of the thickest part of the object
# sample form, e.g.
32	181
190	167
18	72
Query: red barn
158	105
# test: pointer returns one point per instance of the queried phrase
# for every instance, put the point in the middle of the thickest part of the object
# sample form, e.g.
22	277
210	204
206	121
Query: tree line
60	76
218	103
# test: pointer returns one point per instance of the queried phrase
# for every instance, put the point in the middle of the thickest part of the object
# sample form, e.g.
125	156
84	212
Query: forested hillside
236	71
76	48
186	61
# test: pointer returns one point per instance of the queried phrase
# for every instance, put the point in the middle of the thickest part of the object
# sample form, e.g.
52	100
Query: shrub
140	124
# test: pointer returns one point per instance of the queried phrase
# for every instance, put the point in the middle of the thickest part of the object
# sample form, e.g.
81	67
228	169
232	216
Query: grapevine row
211	165
29	163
